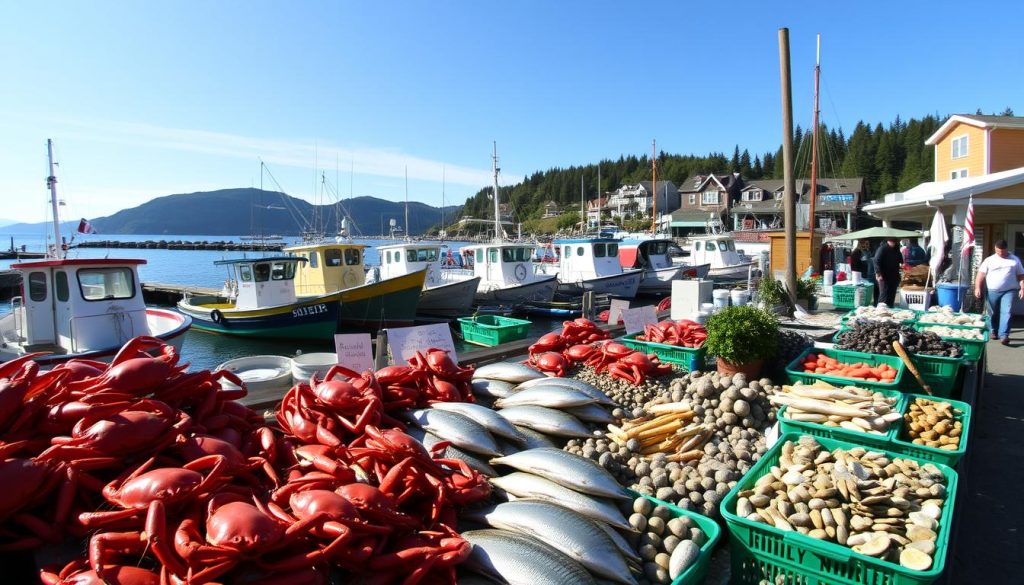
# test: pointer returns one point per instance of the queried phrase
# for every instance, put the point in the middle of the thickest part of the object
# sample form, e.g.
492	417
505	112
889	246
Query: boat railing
18	302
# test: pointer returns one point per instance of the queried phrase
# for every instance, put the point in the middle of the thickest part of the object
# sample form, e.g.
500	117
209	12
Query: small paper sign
404	342
771	435
615	311
355	351
636	319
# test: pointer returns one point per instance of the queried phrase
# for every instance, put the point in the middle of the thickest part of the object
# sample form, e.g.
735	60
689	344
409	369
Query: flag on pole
84	227
968	244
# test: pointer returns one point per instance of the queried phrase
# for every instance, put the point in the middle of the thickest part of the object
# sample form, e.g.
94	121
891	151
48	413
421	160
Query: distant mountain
4	222
38	229
239	212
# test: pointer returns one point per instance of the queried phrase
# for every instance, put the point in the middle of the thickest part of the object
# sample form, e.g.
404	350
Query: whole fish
507	372
546	420
520	560
492	389
592	413
491	420
620	541
474	461
461	431
588	389
543	395
534	439
568	469
565	530
526	485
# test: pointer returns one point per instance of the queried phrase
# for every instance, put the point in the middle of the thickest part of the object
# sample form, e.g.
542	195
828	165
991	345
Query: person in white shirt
1002	274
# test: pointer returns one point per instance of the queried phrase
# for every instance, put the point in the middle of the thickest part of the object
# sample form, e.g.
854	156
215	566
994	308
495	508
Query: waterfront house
759	205
551	209
638	200
596	211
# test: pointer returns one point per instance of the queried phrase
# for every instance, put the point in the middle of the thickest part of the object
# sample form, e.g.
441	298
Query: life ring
216	316
520	272
348	279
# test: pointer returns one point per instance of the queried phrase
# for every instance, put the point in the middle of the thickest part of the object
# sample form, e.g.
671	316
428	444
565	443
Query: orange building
972	146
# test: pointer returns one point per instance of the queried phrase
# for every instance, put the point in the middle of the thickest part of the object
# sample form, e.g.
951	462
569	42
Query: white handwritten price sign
404	342
355	351
615	311
636	319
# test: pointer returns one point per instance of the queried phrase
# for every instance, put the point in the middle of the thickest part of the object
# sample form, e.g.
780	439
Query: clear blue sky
152	98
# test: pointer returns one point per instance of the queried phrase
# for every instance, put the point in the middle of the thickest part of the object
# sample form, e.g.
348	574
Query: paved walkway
989	546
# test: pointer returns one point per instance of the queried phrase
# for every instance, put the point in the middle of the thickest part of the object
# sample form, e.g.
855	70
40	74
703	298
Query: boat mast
442	202
814	152
407	203
599	197
497	214
51	182
582	205
654	187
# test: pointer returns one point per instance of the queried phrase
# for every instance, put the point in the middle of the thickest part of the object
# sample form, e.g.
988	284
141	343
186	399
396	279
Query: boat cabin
718	250
401	259
329	267
79	305
588	258
508	264
263	282
647	254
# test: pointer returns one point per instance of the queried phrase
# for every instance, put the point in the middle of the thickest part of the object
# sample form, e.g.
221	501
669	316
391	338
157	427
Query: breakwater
185	245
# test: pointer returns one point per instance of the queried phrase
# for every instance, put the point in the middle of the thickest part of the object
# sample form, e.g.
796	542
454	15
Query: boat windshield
282	271
332	257
599	250
516	254
421	255
352	257
104	284
722	246
659	248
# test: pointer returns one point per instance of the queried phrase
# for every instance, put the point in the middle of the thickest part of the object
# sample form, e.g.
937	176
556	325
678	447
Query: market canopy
875	232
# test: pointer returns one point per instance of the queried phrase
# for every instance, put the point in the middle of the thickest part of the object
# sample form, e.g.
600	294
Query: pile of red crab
168	479
681	333
583	342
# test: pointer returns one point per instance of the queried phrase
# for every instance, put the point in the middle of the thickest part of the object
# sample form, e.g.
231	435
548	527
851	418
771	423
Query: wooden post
380	355
588	304
789	183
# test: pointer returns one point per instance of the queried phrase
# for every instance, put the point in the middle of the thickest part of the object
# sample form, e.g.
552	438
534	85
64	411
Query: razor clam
525	485
490	419
520	560
572	471
507	372
594	392
460	430
549	396
546	420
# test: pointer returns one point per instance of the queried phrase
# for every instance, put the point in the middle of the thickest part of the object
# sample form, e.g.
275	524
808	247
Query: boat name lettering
310	310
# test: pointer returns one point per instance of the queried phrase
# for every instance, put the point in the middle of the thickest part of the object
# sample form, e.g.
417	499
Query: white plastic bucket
828	277
700	317
721	298
855	277
707	308
306	364
739	297
261	372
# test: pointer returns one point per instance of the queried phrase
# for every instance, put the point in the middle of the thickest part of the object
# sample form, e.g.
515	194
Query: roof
301	247
406	245
691	215
79	262
874	232
587	241
985	122
951	190
661	185
836	185
266	259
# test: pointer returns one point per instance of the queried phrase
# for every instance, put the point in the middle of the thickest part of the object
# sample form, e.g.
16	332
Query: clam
915	560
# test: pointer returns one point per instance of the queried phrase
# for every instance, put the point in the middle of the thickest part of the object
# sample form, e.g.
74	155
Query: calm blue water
195	267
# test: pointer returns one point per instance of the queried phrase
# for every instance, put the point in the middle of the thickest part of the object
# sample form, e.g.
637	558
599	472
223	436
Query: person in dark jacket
887	263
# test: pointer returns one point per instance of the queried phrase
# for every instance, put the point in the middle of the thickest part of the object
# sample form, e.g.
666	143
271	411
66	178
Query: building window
693	199
960	147
958	174
709	198
778	195
754	195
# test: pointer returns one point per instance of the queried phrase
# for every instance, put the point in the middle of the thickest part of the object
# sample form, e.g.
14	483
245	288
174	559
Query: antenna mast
814	152
497	213
51	182
654	187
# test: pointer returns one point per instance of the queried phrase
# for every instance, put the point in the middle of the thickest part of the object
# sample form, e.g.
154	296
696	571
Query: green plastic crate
901	443
689	357
884	441
942	374
795	371
698	571
762	552
984	316
491	330
973	348
844	296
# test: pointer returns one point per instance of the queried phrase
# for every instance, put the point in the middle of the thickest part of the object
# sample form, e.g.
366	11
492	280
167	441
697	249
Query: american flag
968	229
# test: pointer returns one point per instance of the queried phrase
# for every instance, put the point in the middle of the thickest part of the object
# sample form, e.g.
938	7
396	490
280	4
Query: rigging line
290	207
332	190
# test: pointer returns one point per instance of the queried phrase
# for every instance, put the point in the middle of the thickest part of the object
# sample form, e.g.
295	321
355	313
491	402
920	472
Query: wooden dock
160	293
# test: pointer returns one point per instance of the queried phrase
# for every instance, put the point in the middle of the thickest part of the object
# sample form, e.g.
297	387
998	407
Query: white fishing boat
80	308
592	264
652	256
440	296
719	251
505	270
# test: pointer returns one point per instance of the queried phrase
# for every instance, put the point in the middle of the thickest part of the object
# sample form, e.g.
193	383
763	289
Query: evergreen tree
745	168
758	171
734	164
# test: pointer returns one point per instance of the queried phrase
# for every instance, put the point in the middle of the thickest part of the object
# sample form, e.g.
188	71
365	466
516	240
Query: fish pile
849	408
882	313
943	331
878	336
933	423
946	316
877	506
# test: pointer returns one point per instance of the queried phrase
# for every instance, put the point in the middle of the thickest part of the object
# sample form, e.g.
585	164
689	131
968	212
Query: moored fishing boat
439	296
719	250
592	264
263	303
652	256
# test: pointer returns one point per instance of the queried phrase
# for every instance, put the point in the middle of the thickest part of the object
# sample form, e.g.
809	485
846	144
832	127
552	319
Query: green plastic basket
942	374
973	348
762	552
884	441
691	358
795	371
491	330
698	571
901	443
844	295
984	316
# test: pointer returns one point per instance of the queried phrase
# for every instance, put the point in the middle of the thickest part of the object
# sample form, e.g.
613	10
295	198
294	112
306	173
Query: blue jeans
999	305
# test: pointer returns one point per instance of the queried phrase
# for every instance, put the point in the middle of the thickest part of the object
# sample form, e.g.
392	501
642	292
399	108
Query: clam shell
915	560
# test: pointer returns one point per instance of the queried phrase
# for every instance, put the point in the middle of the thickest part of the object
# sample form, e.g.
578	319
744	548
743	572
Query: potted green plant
772	296
742	338
807	290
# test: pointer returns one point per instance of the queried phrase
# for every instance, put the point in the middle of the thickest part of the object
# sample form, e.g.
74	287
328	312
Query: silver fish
507	372
474	461
624	547
526	485
520	560
588	389
592	413
534	439
491	420
564	468
462	431
549	396
565	530
546	420
492	389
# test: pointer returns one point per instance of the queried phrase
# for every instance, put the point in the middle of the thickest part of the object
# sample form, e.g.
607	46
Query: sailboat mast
814	151
598	196
497	214
406	203
442	200
654	186
582	204
51	182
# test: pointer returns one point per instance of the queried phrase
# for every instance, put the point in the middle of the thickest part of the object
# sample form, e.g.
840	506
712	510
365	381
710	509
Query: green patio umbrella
875	232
